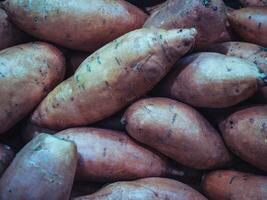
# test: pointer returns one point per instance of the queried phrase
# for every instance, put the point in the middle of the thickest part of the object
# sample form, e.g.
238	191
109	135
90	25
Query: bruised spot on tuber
251	120
232	180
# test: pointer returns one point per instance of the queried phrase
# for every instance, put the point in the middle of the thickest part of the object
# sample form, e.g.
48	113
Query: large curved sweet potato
76	24
148	189
10	35
245	133
176	130
43	169
213	80
106	155
208	17
251	24
27	73
234	185
113	76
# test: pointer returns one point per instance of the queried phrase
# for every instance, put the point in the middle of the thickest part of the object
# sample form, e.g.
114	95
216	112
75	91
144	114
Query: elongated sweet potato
148	189
10	35
76	24
208	17
251	24
245	133
27	73
234	185
113	76
48	164
176	130
213	80
6	156
106	155
249	3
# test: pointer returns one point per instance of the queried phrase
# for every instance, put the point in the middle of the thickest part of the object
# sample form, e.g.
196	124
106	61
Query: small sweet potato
245	133
234	185
251	24
6	156
10	35
113	76
106	155
208	17
213	80
249	3
148	189
76	24
27	73
43	169
176	130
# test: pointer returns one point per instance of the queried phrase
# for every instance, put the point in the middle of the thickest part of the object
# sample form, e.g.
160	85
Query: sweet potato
43	169
249	3
213	80
251	24
106	155
112	77
234	185
27	73
148	189
6	156
10	35
176	130
208	17
76	24
245	133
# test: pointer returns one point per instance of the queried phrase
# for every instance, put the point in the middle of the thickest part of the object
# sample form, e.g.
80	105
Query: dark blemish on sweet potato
38	148
35	19
229	69
259	25
88	67
231	124
147	109
249	17
251	120
263	127
72	98
237	90
174	118
118	61
214	8
104	152
98	60
232	179
104	21
116	44
8	113
263	49
46	89
2	75
205	2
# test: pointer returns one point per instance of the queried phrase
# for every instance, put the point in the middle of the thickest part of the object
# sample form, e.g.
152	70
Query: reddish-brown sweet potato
27	73
10	35
44	169
234	185
213	80
76	24
6	156
250	3
146	189
245	133
208	17
113	76
176	130
106	155
251	24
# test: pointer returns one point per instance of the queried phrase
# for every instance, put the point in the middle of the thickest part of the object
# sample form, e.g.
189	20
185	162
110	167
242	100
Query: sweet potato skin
28	72
112	77
251	24
249	3
234	185
76	24
208	17
6	156
106	156
245	133
10	35
46	163
212	80
147	188
176	130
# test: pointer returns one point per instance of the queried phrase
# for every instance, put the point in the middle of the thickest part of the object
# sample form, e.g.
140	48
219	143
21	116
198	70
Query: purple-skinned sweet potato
148	189
112	77
28	72
76	24
177	131
47	164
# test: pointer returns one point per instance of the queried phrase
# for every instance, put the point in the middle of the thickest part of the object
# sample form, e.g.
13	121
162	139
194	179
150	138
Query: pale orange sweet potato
113	76
27	73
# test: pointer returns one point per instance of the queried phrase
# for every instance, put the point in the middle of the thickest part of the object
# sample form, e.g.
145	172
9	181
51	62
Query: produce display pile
133	100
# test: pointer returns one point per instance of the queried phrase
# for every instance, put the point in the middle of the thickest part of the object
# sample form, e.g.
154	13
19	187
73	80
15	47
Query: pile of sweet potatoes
133	100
